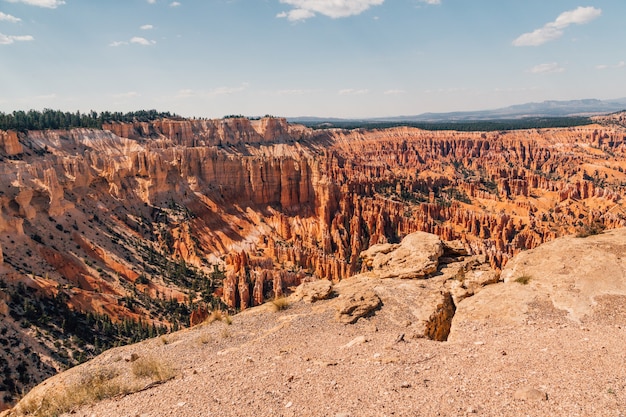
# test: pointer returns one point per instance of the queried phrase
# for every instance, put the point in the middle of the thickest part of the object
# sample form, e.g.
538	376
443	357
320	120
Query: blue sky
332	58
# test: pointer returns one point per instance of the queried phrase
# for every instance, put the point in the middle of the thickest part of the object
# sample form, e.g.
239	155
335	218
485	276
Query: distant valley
132	230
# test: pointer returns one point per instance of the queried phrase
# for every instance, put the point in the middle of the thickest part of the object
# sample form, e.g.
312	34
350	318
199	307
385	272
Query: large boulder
417	256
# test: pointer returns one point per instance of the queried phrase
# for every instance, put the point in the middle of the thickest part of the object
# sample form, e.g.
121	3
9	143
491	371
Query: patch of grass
164	340
524	279
156	370
279	304
92	388
205	338
225	334
216	315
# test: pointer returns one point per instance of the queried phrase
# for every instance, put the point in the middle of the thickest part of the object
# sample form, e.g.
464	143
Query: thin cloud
394	92
549	68
185	93
8	18
431	1
352	92
620	64
9	39
220	91
294	92
554	30
141	41
174	4
306	9
146	27
151	1
50	4
136	40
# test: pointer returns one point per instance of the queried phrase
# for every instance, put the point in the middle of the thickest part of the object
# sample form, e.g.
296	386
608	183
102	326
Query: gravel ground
301	362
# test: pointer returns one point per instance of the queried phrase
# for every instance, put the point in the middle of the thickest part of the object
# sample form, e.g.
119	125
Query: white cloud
352	92
431	1
620	64
174	4
141	41
221	91
296	14
554	30
550	68
578	16
137	40
146	27
188	92
9	39
305	9
50	4
8	18
151	1
394	92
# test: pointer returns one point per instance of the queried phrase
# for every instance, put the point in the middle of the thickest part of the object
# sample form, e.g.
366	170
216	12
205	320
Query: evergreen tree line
56	119
465	126
52	314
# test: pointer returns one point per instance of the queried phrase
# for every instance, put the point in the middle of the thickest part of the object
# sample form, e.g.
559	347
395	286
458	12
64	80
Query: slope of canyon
547	340
138	229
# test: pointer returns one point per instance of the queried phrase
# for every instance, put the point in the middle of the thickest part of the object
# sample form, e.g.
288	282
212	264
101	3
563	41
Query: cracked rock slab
417	256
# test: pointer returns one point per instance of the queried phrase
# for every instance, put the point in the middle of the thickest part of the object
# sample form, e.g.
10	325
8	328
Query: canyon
153	224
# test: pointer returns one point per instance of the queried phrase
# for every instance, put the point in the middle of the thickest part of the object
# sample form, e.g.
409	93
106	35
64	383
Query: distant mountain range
552	108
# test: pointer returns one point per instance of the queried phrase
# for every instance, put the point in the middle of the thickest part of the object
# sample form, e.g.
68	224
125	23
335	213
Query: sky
325	58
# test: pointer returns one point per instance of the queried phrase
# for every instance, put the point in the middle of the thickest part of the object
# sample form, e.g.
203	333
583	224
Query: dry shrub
216	315
279	304
205	338
153	369
524	279
93	387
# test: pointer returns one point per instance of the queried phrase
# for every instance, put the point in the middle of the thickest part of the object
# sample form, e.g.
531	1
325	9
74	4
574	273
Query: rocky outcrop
417	257
314	291
9	141
357	305
423	303
570	275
